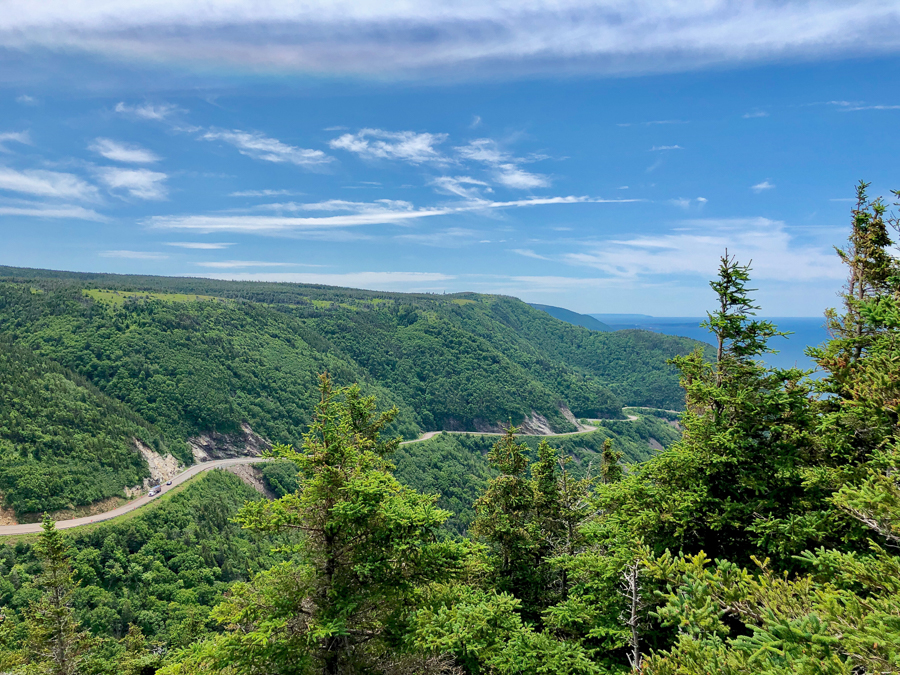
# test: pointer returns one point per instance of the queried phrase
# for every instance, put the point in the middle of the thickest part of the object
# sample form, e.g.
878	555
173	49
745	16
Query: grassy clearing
118	298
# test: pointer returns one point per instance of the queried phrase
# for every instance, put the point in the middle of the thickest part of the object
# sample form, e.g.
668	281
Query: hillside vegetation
186	357
63	443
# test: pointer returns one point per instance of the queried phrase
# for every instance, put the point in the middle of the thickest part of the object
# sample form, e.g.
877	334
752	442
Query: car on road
168	482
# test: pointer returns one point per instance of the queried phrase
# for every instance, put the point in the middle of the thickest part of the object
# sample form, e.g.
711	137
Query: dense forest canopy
184	358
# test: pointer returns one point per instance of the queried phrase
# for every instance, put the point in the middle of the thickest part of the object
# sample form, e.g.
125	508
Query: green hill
574	318
196	356
63	443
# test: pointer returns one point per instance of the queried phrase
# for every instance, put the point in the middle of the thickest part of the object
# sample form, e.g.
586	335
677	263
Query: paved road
582	430
190	472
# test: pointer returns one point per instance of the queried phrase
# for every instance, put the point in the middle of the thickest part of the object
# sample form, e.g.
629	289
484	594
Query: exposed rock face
655	444
220	446
162	468
535	425
252	477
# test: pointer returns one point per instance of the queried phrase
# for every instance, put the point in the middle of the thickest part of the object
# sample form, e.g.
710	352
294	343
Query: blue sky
596	156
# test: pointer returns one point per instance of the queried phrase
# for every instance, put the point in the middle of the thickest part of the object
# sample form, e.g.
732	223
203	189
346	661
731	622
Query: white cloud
759	187
15	136
468	38
140	183
485	150
506	169
122	152
528	253
25	99
133	255
851	106
695	248
262	193
385	212
235	264
513	177
685	203
149	111
453	237
754	114
259	146
381	281
665	147
46	184
43	211
213	246
406	146
476	122
461	186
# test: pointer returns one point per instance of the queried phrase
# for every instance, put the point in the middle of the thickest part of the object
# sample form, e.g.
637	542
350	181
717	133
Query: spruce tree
365	545
55	642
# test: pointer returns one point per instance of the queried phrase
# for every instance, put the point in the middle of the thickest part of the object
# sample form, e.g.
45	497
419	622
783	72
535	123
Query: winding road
190	472
187	474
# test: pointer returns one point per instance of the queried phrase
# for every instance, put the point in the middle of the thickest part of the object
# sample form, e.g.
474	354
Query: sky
599	156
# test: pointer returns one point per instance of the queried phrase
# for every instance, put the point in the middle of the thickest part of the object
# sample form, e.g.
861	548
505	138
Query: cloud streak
52	184
122	152
695	248
139	183
391	213
406	146
468	38
259	146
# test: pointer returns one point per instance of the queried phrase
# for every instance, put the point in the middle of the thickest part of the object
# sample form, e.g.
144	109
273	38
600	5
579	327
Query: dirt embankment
162	468
252	477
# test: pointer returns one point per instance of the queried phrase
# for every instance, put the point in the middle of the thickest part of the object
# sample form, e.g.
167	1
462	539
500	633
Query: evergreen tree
366	544
55	642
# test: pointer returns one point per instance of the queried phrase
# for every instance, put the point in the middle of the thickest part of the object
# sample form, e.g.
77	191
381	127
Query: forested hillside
63	443
187	357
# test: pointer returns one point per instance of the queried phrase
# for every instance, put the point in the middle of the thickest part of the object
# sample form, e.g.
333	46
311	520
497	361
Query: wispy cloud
452	237
760	187
263	193
685	202
44	211
15	136
383	281
528	253
140	183
259	146
365	214
695	247
202	245
46	184
455	40
133	255
852	106
406	146
461	186
122	152
25	99
506	168
149	111
665	147
512	176
755	114
237	264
